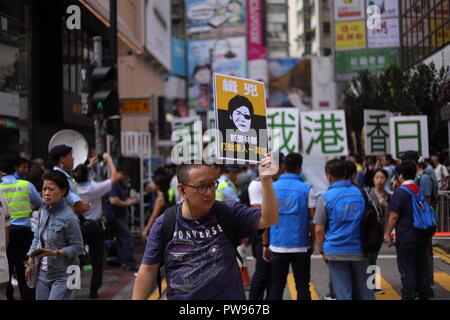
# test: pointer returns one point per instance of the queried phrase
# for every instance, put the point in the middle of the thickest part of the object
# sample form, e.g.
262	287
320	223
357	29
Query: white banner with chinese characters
283	125
324	133
409	133
187	133
376	127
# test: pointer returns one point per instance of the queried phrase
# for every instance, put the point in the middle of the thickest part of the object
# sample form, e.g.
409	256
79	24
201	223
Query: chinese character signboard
187	133
350	35
349	9
386	36
349	63
409	133
283	125
215	18
240	106
377	138
324	133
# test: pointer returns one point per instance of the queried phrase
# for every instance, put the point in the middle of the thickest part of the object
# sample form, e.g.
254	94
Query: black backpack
372	233
223	216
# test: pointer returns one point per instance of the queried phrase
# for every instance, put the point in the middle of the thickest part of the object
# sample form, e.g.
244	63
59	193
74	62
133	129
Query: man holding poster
240	106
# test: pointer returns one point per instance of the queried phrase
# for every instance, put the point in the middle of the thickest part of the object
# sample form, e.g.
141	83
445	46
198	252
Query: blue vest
292	229
345	207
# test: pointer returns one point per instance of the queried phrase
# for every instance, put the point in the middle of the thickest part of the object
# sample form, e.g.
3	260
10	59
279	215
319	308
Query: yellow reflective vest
17	196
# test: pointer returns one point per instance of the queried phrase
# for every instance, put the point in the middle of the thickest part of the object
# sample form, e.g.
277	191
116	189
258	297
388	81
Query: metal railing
443	212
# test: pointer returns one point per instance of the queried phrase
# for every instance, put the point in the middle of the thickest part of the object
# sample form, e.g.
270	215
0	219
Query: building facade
277	28
310	28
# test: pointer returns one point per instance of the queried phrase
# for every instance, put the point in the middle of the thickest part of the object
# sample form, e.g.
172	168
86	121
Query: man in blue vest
290	238
339	212
22	198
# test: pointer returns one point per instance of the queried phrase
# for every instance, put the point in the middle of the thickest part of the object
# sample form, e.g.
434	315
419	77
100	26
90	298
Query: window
326	28
425	29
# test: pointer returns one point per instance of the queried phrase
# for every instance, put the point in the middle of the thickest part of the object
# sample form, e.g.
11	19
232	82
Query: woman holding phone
56	245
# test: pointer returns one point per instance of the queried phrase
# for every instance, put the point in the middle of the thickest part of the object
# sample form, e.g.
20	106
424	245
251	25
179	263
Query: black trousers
301	267
20	239
414	269
262	276
95	239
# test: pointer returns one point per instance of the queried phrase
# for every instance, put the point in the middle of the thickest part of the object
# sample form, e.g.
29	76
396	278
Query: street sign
135	105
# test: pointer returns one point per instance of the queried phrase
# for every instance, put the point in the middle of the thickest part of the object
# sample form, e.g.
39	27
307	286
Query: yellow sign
441	36
135	106
350	35
240	106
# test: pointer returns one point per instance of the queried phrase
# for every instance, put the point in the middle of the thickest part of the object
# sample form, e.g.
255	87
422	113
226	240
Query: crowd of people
53	216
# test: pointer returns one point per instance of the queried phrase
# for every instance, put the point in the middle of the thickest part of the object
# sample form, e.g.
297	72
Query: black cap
410	155
59	151
231	168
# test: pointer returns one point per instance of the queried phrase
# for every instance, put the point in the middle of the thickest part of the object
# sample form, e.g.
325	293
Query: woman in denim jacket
53	266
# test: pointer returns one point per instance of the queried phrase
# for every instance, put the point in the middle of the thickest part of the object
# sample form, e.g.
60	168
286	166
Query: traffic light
99	90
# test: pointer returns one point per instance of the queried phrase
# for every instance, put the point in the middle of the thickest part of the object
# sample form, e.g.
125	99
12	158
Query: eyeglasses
203	188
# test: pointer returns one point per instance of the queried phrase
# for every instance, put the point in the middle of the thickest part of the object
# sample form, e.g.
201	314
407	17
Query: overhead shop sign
349	63
348	9
350	35
388	8
135	105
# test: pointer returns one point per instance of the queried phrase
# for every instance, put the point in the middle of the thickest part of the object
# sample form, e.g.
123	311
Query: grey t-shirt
321	218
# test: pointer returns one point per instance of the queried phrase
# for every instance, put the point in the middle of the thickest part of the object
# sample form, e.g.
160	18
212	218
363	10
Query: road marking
443	279
293	290
155	293
442	254
389	292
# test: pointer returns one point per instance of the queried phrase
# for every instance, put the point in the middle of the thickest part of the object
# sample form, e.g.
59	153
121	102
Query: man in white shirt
439	169
261	279
91	192
4	237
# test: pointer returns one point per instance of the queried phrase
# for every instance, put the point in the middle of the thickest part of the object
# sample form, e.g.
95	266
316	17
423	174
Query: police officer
339	212
22	198
62	159
227	190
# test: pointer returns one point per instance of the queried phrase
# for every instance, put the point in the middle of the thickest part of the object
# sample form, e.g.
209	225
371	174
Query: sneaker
328	297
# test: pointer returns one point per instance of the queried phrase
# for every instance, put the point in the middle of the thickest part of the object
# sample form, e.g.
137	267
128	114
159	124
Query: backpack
223	216
435	190
372	233
424	217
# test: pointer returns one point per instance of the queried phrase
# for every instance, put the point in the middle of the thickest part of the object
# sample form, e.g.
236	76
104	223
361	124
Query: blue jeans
301	267
53	289
126	241
414	268
349	280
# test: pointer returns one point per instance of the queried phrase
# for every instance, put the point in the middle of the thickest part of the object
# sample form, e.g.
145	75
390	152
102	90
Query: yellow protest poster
240	107
350	35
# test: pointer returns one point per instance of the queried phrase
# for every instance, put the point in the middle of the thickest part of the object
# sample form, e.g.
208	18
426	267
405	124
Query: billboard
159	31
349	10
388	35
388	8
215	18
290	83
178	57
227	56
350	35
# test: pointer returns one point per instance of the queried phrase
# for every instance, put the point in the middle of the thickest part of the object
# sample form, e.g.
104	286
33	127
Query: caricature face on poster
240	106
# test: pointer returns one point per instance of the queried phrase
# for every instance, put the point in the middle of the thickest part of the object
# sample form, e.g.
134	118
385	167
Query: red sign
256	49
